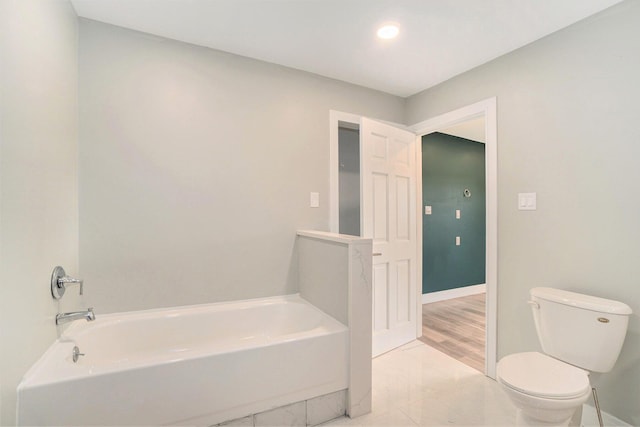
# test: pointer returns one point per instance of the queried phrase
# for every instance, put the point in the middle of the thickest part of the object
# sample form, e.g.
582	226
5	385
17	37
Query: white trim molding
448	294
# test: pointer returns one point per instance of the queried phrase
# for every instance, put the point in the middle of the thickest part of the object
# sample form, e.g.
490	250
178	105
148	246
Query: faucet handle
59	280
68	280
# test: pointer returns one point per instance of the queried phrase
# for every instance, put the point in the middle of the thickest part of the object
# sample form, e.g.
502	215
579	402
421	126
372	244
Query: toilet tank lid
586	302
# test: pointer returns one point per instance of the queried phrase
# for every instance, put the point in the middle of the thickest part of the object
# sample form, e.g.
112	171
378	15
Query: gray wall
38	179
196	168
567	129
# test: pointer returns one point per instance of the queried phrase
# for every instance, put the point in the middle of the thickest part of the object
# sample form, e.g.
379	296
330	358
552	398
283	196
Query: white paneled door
388	209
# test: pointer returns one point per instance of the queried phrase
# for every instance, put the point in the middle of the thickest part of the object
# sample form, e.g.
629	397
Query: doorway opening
454	241
387	195
486	110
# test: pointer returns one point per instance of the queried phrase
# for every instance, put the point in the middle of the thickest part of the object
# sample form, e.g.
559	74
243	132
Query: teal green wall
449	165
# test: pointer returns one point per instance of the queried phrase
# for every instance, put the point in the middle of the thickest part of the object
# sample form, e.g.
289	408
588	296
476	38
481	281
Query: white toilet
579	334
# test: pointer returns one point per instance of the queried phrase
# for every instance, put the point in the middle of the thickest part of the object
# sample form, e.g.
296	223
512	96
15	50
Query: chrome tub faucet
75	315
60	281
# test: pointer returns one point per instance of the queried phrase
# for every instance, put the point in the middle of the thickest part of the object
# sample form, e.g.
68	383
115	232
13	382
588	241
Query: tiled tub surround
311	412
196	365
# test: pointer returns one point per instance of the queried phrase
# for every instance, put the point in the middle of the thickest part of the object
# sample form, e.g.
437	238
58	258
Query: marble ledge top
333	237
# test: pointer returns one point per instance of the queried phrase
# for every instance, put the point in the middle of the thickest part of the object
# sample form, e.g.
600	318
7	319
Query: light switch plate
314	200
427	210
457	213
527	201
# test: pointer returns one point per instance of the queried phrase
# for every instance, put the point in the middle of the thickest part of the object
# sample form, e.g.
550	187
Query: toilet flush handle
534	304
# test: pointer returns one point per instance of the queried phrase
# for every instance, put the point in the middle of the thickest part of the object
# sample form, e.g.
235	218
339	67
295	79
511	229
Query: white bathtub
195	365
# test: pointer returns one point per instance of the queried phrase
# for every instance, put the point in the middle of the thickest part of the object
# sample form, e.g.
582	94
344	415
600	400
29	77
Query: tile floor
416	385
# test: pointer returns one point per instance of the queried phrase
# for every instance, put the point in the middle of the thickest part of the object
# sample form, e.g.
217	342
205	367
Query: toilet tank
582	330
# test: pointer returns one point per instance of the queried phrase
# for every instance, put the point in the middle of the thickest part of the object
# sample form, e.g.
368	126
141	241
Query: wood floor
457	327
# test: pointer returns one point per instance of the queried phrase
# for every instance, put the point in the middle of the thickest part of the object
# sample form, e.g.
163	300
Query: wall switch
457	240
527	201
314	200
427	210
457	213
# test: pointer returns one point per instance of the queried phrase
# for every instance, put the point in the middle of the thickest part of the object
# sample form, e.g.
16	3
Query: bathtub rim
62	347
229	305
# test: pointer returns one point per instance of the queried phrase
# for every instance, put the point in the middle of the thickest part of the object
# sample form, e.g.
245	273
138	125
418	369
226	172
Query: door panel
403	221
404	288
388	174
380	212
380	293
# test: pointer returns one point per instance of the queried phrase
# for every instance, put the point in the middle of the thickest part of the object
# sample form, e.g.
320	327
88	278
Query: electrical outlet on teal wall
451	165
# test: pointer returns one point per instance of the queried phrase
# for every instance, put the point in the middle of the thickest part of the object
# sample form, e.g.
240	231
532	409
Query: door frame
487	109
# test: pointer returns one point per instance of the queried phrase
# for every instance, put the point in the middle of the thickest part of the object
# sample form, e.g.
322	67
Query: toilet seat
539	375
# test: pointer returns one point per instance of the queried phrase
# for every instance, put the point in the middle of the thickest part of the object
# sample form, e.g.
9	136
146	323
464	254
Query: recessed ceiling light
388	31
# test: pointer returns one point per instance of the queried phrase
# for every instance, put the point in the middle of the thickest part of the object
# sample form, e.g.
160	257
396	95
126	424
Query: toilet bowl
579	334
545	390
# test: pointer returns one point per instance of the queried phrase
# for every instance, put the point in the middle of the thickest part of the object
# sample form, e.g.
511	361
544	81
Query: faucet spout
88	315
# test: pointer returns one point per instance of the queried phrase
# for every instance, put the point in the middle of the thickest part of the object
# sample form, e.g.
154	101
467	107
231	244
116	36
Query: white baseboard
454	293
590	418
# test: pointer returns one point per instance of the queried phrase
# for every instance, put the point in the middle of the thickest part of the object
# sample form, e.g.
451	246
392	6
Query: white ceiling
471	129
336	38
